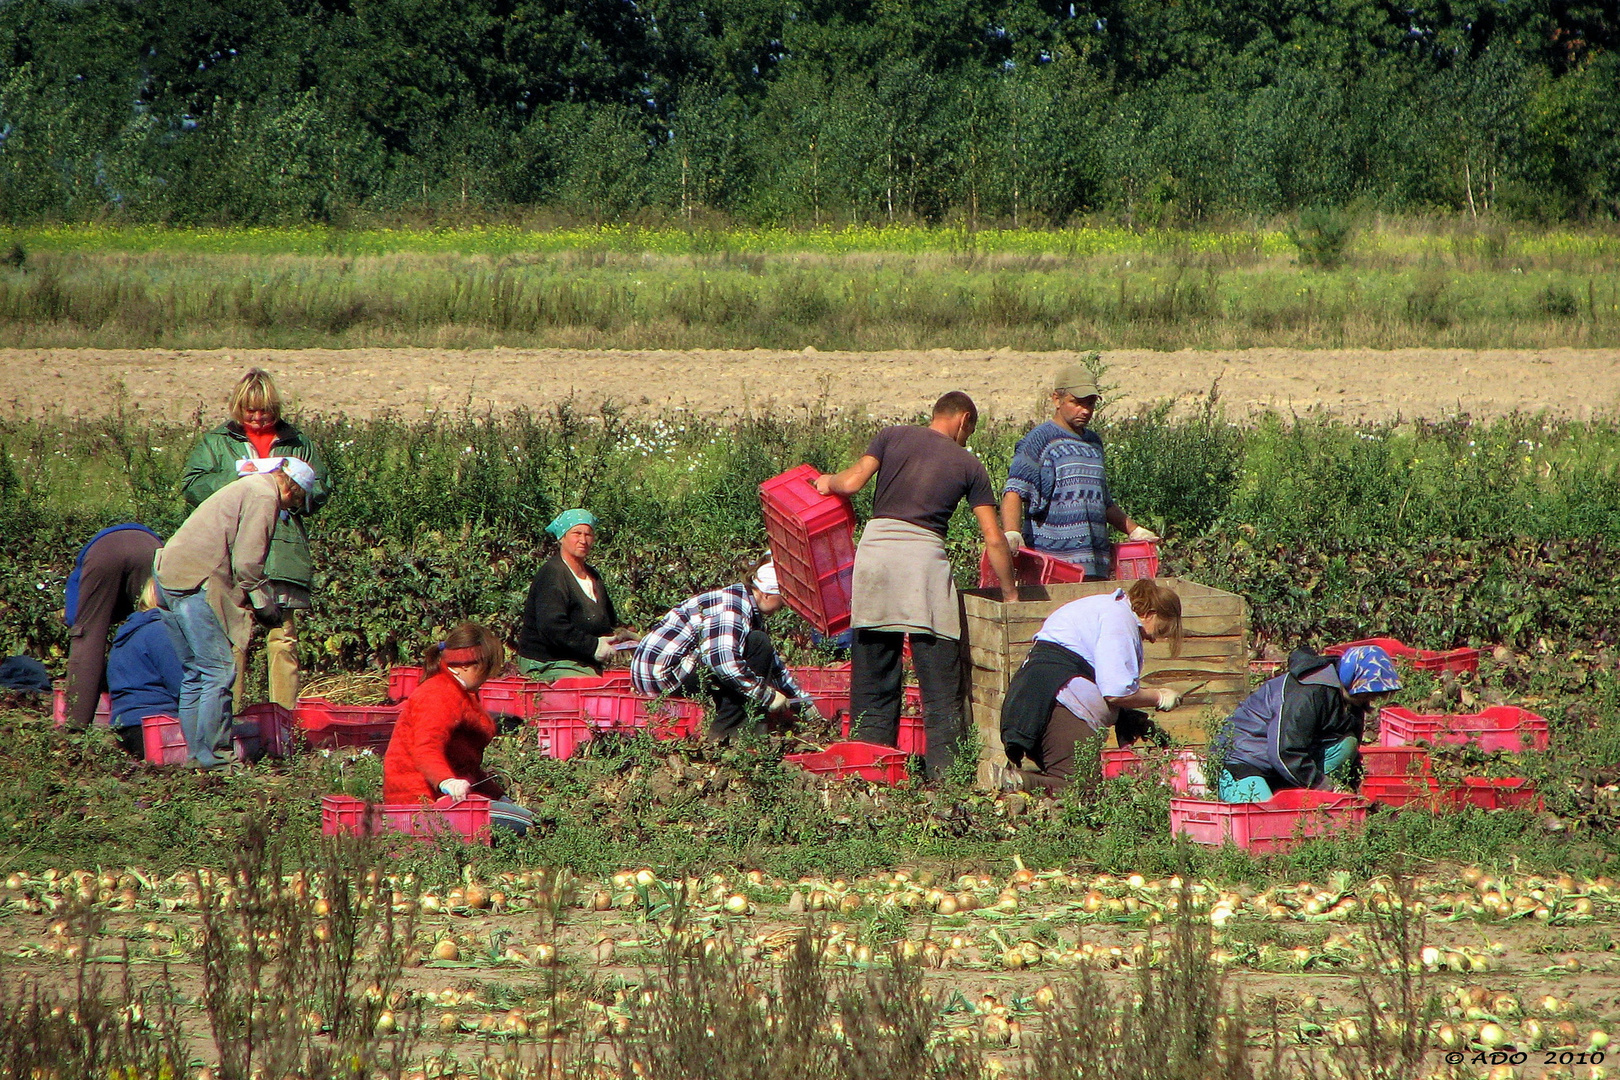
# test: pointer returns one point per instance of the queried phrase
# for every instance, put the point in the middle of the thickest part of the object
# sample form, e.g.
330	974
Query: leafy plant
1322	235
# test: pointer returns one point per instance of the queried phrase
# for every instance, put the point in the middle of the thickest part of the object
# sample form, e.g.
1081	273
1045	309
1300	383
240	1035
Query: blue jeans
1255	789
510	816
205	653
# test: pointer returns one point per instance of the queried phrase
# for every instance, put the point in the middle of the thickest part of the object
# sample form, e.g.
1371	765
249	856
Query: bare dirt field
1363	383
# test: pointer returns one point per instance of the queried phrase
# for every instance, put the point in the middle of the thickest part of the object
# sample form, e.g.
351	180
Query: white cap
299	472
765	580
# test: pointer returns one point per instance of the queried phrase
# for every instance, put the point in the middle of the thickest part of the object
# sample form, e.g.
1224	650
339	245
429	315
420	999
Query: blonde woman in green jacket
251	441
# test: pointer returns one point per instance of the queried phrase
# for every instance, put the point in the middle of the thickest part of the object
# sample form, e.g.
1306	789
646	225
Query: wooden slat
1157	671
1228	645
1230	650
1022	631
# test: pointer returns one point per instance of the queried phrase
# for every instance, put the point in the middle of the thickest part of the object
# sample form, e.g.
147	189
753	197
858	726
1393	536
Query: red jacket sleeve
434	717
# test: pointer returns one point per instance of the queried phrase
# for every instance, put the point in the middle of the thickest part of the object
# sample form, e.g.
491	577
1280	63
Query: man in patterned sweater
1058	479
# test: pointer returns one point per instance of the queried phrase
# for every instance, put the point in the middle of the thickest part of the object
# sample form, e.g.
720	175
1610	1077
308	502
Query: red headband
471	654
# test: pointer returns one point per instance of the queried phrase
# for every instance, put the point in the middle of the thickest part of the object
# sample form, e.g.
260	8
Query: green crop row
1451	533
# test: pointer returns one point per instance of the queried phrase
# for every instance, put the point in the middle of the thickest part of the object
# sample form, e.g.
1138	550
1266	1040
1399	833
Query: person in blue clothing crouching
1297	729
143	672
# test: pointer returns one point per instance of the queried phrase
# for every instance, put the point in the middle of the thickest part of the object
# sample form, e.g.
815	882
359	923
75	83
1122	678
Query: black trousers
104	585
732	707
874	692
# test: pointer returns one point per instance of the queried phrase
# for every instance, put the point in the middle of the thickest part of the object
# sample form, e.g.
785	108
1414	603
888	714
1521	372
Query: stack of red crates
1403	776
813	546
1506	728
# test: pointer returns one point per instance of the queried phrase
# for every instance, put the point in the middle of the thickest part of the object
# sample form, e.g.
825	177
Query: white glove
456	788
1015	540
604	650
779	701
1168	699
1142	532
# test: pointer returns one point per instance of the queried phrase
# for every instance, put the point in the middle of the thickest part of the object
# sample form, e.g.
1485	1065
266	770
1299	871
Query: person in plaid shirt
716	645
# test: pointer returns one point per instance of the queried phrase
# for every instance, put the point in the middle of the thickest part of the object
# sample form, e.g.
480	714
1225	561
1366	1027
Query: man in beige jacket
211	575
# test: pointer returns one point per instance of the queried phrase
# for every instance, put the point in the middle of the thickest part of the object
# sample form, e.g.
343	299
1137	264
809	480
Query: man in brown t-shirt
903	583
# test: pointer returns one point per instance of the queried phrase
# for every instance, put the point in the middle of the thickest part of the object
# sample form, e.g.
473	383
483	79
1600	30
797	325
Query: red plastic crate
868	761
1499	728
564	694
1289	816
1421	659
1267	669
165	743
813	545
103	716
827	686
327	724
1136	559
1496	793
911	739
561	734
665	718
1031	567
1118	762
263	729
1403	791
402	682
1394	761
510	696
1182	770
617	679
344	815
1486	792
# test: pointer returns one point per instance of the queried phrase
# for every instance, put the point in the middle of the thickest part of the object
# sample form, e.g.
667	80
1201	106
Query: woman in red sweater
438	743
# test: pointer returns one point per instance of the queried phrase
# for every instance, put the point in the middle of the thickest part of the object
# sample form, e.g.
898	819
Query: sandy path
1354	382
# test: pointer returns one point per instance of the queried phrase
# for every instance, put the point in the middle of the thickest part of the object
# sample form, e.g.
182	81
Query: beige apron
903	581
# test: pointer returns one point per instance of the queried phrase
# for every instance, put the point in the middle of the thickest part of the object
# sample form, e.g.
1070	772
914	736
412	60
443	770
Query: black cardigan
559	621
1027	708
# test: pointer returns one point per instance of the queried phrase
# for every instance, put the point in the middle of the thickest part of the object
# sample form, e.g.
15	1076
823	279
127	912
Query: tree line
805	112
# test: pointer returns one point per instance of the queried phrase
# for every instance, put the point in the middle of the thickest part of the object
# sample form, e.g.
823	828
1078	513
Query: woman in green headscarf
569	625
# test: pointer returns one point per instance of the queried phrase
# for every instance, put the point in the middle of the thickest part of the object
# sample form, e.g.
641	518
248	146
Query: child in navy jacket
143	676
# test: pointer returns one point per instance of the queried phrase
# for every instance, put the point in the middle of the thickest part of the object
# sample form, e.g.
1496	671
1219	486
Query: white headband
765	580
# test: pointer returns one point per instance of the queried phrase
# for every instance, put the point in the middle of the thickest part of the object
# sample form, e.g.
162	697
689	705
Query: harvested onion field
685	911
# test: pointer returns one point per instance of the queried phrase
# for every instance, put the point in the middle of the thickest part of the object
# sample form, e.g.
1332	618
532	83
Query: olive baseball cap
1075	379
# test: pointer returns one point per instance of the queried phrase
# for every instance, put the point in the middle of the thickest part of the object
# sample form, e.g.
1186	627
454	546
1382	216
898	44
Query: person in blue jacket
1297	729
143	673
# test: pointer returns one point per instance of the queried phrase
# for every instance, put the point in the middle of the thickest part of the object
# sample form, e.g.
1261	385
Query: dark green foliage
993	111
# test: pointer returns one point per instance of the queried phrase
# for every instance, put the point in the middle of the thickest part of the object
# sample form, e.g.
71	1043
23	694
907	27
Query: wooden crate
1214	651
